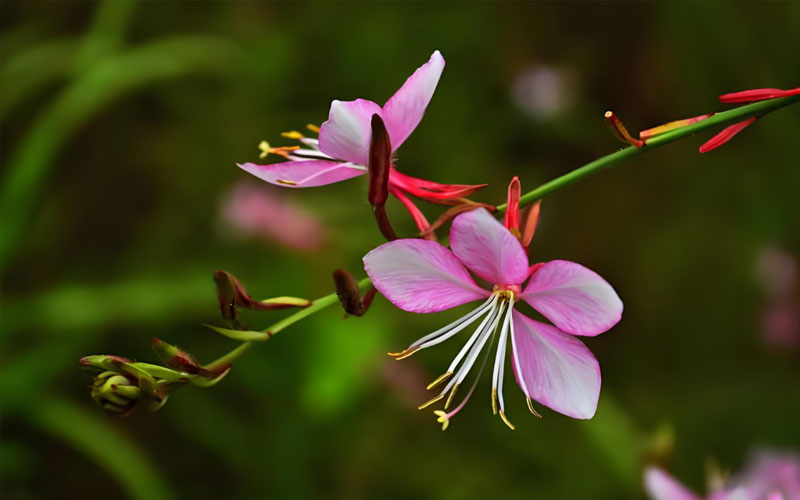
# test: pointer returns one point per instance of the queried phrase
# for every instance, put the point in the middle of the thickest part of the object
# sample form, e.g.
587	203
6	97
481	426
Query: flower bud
380	161
115	393
348	293
232	294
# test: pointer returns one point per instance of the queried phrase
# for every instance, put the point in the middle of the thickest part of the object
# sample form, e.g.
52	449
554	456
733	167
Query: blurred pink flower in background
543	91
772	475
776	272
769	475
263	212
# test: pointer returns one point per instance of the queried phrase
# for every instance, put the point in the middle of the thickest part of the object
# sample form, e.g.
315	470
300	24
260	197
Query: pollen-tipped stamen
455	327
439	380
404	353
445	332
505	420
292	134
451	396
494	318
430	402
499	362
531	408
444	418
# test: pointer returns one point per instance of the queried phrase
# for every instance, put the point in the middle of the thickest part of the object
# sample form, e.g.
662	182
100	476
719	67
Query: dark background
121	126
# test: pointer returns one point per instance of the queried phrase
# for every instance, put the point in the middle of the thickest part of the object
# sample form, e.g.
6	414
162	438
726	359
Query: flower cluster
486	261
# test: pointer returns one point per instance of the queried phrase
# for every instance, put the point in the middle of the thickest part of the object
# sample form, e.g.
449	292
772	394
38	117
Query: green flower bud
115	393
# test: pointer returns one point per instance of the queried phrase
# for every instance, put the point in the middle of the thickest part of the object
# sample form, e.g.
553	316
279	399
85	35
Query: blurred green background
121	126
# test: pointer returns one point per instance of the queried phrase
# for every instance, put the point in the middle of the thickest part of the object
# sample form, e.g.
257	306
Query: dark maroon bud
380	161
232	294
349	296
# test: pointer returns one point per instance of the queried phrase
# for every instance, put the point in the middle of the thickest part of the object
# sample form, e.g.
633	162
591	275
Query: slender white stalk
515	353
471	389
475	336
453	328
500	360
464	370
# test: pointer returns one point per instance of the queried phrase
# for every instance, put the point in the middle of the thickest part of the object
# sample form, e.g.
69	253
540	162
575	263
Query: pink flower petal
662	486
555	368
487	248
403	111
348	131
574	298
303	173
420	276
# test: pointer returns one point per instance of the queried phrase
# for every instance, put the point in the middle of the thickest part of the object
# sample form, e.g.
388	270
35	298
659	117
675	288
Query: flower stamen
439	380
281	151
530	406
451	396
428	403
404	353
292	134
505	420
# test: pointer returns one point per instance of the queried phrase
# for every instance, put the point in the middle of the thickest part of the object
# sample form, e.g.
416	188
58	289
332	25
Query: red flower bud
511	219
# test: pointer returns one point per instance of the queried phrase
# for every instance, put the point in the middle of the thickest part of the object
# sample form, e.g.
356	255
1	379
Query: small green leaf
162	372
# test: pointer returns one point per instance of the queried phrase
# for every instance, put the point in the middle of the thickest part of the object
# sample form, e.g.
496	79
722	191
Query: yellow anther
505	420
443	419
403	354
450	397
265	149
425	405
439	380
285	182
494	401
313	128
531	408
293	134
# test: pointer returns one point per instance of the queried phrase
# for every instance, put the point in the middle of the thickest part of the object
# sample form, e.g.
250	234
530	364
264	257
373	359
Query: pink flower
662	486
342	150
551	365
770	475
262	211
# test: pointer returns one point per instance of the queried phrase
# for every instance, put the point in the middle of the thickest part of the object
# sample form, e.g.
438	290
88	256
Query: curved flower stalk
551	365
342	150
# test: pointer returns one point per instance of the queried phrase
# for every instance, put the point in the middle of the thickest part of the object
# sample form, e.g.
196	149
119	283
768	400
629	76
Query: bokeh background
121	126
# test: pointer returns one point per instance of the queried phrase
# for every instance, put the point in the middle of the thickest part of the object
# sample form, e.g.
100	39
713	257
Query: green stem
317	305
724	118
719	119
